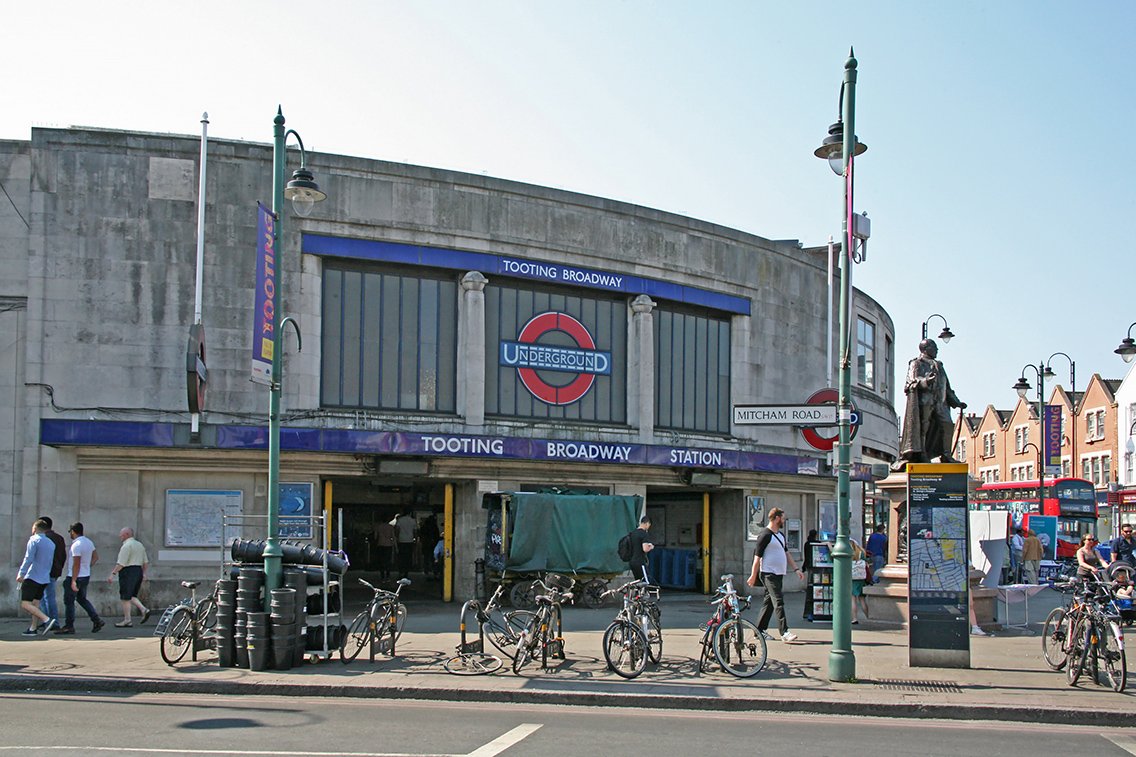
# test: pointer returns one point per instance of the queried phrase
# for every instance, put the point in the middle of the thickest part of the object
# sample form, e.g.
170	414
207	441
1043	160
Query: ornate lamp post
1022	388
945	335
1127	348
839	148
303	191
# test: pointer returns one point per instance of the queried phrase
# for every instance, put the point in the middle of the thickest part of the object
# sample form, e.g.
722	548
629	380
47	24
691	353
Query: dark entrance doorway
361	510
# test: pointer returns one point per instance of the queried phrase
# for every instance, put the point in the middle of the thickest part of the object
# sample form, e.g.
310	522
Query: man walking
1123	547
1017	542
640	547
385	540
131	570
1031	557
406	529
76	579
33	576
771	560
50	605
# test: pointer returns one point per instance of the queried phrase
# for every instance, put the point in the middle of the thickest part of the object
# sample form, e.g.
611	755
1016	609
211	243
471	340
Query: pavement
1008	678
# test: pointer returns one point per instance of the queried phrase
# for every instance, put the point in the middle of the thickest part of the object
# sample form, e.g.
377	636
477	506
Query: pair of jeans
71	597
774	602
49	605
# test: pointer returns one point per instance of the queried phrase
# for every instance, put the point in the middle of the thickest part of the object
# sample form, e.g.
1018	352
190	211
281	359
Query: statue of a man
927	426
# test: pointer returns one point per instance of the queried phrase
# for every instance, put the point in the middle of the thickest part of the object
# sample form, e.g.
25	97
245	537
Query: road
38	725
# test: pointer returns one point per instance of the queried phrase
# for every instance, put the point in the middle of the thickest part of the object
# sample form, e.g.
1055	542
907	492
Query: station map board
937	546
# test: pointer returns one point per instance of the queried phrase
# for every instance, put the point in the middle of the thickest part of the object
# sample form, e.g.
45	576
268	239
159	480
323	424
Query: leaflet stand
235	526
819	582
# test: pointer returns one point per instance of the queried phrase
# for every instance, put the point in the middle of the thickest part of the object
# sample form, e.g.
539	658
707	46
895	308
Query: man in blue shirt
877	545
34	575
1124	547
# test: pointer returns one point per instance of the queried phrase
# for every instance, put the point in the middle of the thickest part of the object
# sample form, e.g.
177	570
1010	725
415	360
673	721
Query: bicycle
545	629
191	624
379	624
1055	631
502	628
1096	632
635	636
733	641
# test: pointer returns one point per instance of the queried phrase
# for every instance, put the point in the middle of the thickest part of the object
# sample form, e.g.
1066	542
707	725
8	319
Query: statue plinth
887	600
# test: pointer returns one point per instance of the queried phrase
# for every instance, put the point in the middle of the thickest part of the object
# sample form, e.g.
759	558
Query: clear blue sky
993	177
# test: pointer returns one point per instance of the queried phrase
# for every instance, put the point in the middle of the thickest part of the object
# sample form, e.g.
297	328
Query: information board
193	516
295	511
937	595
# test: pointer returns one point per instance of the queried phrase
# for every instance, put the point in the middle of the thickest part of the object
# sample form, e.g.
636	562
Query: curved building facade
461	335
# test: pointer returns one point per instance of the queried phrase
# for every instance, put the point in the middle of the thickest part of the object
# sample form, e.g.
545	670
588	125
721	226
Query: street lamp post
946	335
1072	399
839	149
1022	388
303	191
1127	348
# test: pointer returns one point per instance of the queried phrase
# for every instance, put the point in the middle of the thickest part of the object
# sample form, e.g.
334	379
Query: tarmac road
42	725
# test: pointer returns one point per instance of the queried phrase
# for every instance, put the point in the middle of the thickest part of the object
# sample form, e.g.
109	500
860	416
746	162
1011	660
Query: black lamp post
946	334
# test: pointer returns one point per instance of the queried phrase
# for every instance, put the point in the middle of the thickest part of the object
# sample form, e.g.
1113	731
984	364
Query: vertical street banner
264	307
1051	440
938	597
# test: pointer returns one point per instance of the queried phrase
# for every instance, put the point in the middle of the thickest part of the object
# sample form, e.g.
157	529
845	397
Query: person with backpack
771	560
633	549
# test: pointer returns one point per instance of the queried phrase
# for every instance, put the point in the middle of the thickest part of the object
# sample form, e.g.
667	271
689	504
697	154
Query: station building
461	335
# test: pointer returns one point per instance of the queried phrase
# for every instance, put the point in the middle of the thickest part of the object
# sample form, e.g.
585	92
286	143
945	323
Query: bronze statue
927	425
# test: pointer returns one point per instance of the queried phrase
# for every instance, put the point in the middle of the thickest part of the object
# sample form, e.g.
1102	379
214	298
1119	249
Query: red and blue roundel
556	343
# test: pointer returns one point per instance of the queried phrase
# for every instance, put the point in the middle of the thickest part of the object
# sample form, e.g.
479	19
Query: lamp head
946	334
1127	349
303	191
1022	387
832	148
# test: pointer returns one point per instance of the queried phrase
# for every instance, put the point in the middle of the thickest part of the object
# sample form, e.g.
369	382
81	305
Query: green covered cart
529	534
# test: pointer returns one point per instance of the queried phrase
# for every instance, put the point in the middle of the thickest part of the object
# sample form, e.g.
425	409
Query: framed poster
754	516
826	520
296	511
194	516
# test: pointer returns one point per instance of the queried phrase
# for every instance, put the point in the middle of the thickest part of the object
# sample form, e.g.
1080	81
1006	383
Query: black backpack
623	549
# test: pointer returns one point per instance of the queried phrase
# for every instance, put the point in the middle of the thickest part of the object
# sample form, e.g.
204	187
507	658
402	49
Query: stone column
471	349
641	368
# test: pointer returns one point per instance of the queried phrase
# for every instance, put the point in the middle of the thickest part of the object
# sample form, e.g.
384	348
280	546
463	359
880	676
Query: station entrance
367	515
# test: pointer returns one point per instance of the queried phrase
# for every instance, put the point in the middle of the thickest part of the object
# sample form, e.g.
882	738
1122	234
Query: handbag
859	570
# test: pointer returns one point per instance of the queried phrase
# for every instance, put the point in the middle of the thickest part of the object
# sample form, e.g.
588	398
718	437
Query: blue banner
1051	436
264	307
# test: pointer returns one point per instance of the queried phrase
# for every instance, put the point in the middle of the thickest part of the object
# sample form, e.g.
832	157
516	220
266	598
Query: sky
996	196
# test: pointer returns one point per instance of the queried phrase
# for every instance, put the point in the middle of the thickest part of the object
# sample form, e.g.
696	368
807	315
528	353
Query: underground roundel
556	358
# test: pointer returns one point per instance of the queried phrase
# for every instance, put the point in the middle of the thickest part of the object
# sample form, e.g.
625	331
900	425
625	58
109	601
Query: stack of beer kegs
283	622
226	622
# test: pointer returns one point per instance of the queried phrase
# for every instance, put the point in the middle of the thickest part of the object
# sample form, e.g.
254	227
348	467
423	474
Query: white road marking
505	740
1124	741
494	747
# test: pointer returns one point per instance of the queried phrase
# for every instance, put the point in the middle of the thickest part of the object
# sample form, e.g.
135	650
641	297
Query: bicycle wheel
1078	654
504	628
740	648
358	636
473	664
526	646
1053	639
625	649
654	639
707	654
1111	650
593	593
387	630
178	637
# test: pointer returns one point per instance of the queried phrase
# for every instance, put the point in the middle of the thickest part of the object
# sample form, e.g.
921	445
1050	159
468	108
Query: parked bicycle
502	628
636	635
545	630
1055	631
378	625
1096	639
732	640
190	625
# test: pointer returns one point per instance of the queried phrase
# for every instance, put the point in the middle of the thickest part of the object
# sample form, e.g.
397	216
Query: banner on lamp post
1051	436
264	311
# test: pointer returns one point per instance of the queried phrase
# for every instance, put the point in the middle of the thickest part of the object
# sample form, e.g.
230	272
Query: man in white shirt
406	528
771	560
76	577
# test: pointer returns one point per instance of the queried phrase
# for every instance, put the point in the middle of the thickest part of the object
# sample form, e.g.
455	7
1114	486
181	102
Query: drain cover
937	687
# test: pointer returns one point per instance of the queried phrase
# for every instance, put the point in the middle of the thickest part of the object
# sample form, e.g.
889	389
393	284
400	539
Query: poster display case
819	581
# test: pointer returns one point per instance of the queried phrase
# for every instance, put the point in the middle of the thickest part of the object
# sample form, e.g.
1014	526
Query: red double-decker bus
1072	500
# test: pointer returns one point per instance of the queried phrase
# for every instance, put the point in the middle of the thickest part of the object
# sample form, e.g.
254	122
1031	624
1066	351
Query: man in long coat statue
927	434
